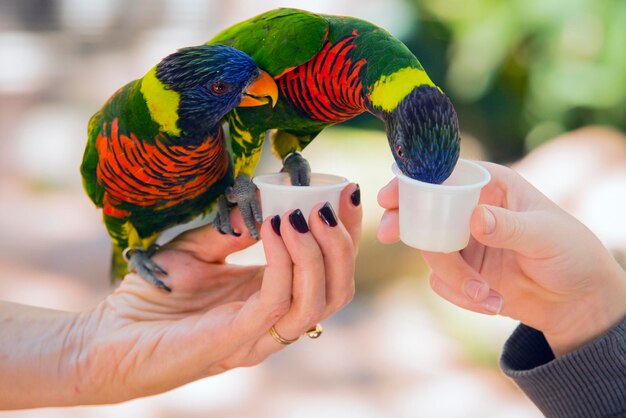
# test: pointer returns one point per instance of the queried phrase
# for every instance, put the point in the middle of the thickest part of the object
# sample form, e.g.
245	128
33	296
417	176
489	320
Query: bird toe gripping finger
249	219
222	218
243	193
298	169
139	261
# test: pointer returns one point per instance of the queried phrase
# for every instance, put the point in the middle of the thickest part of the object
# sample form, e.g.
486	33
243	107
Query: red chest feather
327	87
159	175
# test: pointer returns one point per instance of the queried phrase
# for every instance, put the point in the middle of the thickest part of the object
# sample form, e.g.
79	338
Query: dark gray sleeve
588	382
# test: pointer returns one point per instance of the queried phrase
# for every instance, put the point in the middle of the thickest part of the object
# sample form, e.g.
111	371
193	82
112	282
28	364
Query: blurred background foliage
523	71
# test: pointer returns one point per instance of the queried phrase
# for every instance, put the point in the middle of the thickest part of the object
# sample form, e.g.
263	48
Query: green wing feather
276	30
90	162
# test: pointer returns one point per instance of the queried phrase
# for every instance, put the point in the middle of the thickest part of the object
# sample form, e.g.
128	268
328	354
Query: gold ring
276	336
315	332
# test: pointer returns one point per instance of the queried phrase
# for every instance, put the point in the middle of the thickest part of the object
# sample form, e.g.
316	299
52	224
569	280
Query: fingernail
474	288
489	222
296	219
494	304
327	214
276	224
355	197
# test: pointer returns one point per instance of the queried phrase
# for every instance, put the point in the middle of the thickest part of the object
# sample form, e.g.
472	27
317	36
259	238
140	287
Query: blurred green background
518	72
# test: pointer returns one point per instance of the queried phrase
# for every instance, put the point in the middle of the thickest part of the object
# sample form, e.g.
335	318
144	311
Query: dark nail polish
327	214
296	218
276	224
355	197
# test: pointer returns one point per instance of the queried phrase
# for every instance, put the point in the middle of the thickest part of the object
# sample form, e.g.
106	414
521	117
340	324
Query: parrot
156	154
329	69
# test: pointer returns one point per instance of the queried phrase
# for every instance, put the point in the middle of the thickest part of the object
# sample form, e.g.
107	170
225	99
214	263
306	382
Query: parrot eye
400	151
219	87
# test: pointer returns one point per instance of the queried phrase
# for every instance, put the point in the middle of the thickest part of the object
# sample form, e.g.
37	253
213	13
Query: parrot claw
243	194
139	261
222	218
298	168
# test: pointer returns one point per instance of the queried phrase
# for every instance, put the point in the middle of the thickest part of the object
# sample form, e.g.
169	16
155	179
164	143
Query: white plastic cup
279	196
436	217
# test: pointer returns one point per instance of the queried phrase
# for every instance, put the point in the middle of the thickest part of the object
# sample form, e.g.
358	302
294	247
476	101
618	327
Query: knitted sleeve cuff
588	382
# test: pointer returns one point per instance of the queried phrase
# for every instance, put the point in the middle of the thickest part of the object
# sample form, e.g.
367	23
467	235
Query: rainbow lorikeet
330	69
156	154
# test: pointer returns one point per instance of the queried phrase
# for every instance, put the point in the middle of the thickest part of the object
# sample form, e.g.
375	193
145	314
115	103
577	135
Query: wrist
590	315
39	356
75	362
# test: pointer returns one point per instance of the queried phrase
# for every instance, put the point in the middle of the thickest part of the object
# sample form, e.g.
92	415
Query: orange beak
261	92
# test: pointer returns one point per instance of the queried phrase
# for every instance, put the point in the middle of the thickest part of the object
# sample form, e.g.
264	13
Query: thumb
210	245
527	233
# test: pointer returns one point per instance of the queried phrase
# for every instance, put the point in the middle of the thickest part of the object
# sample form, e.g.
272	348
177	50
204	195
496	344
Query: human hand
142	341
527	259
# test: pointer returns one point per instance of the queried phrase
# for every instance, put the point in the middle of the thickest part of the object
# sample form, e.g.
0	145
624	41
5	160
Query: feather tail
119	266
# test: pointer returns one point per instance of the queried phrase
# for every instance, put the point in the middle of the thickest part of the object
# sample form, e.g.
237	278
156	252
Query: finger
523	232
339	254
351	212
492	305
510	190
388	195
454	271
474	254
389	227
207	244
494	192
277	285
308	302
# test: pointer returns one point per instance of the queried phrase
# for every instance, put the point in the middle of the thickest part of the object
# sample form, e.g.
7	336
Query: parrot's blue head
211	80
423	133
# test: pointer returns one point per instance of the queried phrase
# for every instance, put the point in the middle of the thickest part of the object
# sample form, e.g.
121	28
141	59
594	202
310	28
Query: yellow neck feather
390	89
162	102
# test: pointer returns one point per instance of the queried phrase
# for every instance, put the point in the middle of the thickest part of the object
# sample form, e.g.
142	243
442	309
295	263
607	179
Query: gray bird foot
140	262
222	217
243	194
298	168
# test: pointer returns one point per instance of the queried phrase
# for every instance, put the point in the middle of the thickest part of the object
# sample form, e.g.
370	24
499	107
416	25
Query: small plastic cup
436	217
279	196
